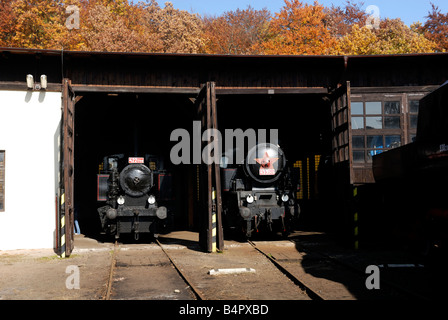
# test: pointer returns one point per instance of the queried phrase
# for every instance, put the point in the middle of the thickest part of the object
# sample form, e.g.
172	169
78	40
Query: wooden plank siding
189	71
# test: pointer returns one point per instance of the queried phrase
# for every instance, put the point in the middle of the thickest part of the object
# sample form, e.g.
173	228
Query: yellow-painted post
62	227
214	224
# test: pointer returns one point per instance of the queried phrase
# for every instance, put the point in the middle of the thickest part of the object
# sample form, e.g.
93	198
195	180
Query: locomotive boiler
131	188
260	194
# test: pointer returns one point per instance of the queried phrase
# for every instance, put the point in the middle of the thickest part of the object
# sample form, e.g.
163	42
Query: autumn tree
119	8
299	29
397	38
144	26
7	23
236	32
436	28
179	30
38	24
360	41
392	37
105	29
340	20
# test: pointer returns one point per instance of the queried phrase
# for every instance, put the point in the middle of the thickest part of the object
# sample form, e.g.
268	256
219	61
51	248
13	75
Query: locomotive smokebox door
265	163
136	180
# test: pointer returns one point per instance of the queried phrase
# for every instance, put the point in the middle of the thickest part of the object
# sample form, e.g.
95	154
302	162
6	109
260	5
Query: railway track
388	283
390	289
312	294
317	275
113	274
195	291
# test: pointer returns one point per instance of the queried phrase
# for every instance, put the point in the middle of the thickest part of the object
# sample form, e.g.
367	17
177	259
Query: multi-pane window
2	180
366	146
376	126
376	115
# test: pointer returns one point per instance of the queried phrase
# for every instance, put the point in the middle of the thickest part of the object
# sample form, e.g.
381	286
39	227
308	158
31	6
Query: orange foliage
299	29
143	26
341	19
436	28
7	23
236	32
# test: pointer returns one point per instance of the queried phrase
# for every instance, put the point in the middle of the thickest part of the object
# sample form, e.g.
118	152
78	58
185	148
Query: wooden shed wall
190	71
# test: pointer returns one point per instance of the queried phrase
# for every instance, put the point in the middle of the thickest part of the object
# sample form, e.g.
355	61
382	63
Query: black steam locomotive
131	188
260	194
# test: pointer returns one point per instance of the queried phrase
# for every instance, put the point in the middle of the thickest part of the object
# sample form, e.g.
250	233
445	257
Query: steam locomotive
131	188
260	194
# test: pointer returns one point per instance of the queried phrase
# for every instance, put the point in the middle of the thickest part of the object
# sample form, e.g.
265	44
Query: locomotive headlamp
120	200
250	198
151	199
285	197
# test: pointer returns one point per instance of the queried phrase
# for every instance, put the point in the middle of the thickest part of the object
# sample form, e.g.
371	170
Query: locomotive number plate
136	160
267	172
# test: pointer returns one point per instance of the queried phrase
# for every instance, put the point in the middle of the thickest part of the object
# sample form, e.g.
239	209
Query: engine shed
62	112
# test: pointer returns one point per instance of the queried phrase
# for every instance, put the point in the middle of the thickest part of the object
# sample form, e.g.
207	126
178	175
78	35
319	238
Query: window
373	107
392	107
357	108
376	125
365	147
2	181
376	115
413	113
413	106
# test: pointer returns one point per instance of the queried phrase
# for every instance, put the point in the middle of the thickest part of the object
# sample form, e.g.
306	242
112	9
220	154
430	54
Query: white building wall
29	133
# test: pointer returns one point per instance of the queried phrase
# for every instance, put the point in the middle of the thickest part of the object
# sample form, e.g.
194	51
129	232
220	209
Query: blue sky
408	10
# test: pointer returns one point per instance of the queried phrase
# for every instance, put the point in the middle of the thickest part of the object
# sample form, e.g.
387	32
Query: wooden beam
134	89
21	86
270	91
195	91
398	89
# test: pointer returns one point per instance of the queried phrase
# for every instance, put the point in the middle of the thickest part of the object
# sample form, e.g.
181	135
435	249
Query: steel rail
389	283
111	272
195	291
310	292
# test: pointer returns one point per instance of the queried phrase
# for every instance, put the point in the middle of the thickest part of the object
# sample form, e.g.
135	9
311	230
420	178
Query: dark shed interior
131	124
140	124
